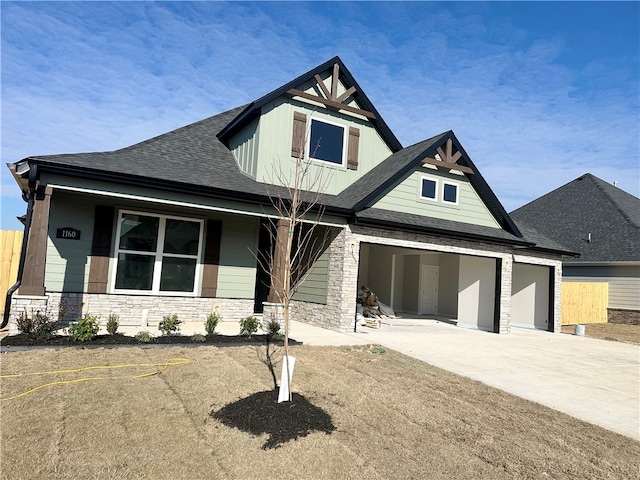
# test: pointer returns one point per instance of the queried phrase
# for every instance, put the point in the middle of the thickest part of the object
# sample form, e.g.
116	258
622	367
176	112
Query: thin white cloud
99	76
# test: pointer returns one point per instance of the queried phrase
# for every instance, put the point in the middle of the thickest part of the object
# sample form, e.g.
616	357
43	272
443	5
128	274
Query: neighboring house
602	223
172	224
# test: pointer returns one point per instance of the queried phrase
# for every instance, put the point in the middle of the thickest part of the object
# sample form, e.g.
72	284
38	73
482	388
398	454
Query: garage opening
530	294
427	284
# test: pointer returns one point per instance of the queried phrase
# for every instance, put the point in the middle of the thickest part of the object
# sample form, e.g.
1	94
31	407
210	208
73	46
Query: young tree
297	240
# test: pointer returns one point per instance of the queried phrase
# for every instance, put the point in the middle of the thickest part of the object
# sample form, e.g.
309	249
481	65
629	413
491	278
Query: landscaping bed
24	340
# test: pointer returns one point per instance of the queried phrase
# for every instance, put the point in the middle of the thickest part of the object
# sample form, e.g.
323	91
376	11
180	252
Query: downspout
23	250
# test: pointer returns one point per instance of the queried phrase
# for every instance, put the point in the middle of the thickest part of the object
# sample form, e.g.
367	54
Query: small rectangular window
450	193
326	142
428	188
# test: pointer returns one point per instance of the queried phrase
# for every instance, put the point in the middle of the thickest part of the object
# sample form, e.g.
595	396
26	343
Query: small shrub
169	324
43	326
143	337
112	324
25	323
38	325
198	338
273	330
249	325
85	329
211	323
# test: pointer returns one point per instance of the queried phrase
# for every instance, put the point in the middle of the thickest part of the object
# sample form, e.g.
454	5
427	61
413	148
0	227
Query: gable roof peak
625	203
331	99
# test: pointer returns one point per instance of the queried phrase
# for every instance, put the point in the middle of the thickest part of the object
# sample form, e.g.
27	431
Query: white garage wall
448	287
530	296
476	295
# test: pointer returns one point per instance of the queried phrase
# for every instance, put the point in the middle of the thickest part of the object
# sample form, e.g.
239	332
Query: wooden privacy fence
584	302
10	244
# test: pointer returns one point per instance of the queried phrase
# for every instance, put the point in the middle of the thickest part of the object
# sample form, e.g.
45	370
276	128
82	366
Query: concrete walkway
597	381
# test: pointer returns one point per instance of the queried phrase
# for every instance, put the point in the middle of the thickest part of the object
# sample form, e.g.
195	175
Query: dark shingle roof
195	159
588	206
190	155
407	221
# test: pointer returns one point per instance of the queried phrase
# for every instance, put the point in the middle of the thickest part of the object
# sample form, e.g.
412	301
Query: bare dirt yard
609	331
357	412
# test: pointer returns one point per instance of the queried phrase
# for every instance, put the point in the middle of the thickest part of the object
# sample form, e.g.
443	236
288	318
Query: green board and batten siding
237	269
68	260
405	198
244	146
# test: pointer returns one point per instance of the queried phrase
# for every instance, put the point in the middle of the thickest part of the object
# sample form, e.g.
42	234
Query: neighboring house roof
589	216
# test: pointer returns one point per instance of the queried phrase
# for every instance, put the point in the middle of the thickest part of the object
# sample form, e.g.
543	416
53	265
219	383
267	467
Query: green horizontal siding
404	198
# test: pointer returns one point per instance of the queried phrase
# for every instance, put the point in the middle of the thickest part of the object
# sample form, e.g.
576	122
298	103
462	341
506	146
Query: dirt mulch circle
260	413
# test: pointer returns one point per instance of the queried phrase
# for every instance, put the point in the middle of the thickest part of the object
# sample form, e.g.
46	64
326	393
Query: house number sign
68	233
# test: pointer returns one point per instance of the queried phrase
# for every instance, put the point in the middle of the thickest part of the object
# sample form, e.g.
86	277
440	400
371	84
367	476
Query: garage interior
459	289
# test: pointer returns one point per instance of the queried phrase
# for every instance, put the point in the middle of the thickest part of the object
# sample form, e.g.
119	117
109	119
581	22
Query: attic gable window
450	193
326	142
156	253
428	189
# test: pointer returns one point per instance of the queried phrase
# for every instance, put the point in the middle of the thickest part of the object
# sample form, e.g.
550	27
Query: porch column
36	256
276	290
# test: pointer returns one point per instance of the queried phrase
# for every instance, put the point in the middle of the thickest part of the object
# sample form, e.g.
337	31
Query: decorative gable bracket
331	97
448	159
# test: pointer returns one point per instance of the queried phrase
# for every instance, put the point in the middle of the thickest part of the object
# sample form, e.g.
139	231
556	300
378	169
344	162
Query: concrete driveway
597	381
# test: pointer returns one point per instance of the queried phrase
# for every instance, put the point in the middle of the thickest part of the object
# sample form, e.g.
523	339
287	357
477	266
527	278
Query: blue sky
538	93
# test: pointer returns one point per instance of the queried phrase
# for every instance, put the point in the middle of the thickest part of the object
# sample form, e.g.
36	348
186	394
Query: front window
157	253
326	142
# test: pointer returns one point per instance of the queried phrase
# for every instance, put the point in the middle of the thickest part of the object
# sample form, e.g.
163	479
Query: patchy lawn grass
609	331
376	415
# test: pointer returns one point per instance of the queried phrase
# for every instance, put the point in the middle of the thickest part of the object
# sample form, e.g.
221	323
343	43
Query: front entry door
428	290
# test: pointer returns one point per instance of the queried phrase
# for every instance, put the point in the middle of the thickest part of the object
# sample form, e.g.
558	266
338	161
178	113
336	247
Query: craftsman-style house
173	224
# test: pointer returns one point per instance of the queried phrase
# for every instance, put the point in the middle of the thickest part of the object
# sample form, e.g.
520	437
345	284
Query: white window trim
345	144
453	184
431	179
157	268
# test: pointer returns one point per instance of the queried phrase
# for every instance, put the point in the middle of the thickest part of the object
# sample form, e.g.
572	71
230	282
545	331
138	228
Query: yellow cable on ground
169	363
